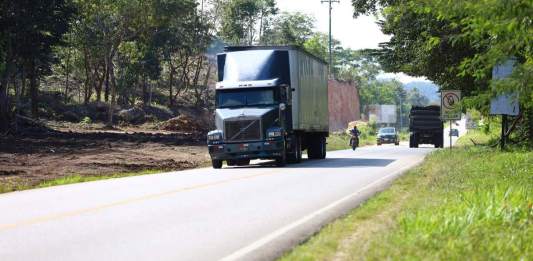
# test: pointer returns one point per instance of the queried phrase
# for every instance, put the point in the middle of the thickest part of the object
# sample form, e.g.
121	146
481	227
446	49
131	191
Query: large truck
425	126
271	103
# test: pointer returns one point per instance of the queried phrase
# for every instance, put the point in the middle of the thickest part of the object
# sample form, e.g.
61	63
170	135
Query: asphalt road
251	213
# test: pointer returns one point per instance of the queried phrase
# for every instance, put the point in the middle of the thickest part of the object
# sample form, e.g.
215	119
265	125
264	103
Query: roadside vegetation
473	202
341	140
18	185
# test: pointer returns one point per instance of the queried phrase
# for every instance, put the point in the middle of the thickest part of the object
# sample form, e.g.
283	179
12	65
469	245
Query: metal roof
272	47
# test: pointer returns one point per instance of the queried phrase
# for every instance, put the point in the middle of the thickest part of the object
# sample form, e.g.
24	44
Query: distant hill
428	89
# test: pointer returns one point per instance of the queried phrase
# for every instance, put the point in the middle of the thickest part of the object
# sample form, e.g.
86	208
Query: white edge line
270	237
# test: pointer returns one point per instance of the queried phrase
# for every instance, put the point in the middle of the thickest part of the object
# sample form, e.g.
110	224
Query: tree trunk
197	90
67	74
100	83
5	115
261	27
183	76
87	84
34	90
23	80
529	119
172	71
17	100
5	118
106	92
112	92
144	90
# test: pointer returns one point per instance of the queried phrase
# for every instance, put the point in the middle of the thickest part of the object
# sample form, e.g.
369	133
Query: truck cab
255	109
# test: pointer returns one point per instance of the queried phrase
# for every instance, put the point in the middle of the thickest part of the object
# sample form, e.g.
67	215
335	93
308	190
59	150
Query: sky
360	33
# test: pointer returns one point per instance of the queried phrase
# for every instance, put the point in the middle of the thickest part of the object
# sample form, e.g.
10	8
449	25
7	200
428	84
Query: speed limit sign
450	109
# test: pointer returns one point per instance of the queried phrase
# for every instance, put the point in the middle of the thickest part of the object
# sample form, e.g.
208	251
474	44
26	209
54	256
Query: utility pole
401	112
330	38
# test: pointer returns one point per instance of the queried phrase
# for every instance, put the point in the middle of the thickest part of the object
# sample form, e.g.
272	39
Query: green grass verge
20	185
342	141
473	203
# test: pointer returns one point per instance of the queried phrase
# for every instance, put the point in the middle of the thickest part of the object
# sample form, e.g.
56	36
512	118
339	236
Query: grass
341	141
18	185
473	203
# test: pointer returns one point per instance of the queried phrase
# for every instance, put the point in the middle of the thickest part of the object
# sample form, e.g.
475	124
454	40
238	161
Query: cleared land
61	156
473	202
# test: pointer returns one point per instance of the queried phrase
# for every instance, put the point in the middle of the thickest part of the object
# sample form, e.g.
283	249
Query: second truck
425	126
271	103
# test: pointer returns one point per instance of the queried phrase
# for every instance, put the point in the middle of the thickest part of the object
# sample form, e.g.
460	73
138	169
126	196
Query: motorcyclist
355	131
354	141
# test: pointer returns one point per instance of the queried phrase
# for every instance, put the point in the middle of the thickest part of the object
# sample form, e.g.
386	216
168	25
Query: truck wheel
281	161
296	155
413	142
317	148
322	147
217	164
231	163
243	162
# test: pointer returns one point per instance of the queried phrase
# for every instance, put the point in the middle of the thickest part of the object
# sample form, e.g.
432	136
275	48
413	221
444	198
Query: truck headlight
274	133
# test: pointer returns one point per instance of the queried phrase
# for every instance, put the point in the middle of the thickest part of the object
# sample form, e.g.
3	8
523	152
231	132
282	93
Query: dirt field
34	158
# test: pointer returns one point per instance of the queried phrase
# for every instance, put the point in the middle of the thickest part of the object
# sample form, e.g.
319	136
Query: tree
289	29
29	31
457	43
240	19
415	98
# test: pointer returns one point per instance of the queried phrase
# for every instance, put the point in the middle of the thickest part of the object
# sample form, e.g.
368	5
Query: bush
86	120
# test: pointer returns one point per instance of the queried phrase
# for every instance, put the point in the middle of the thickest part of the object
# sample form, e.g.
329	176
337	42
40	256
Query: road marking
241	253
124	202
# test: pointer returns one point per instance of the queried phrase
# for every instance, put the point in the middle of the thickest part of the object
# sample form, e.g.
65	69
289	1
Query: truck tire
281	161
242	162
323	149
231	163
296	154
317	148
413	141
217	164
438	143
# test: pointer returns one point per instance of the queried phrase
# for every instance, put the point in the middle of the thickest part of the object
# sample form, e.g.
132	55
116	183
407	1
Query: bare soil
38	156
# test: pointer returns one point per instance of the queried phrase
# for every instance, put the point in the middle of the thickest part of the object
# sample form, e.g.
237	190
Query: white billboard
382	113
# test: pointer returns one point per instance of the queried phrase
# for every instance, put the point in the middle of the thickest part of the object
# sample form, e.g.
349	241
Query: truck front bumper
246	150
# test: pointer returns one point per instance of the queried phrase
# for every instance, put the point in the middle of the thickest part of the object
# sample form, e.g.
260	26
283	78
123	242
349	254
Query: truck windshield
243	98
387	131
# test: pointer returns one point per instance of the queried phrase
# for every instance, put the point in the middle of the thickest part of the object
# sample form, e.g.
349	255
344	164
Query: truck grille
242	130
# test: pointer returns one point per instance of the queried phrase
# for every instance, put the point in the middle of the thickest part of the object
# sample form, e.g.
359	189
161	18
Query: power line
330	42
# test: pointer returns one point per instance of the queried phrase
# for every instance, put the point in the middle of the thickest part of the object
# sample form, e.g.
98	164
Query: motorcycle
354	141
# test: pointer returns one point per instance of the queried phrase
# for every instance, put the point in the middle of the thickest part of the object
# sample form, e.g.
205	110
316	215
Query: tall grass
471	203
480	206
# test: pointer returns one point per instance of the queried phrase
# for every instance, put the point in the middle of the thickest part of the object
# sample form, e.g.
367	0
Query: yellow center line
73	213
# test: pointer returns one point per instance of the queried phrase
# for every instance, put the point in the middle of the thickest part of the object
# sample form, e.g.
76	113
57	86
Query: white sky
359	33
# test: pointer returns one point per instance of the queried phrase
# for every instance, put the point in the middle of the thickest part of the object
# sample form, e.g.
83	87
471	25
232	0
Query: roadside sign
450	109
505	104
503	70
